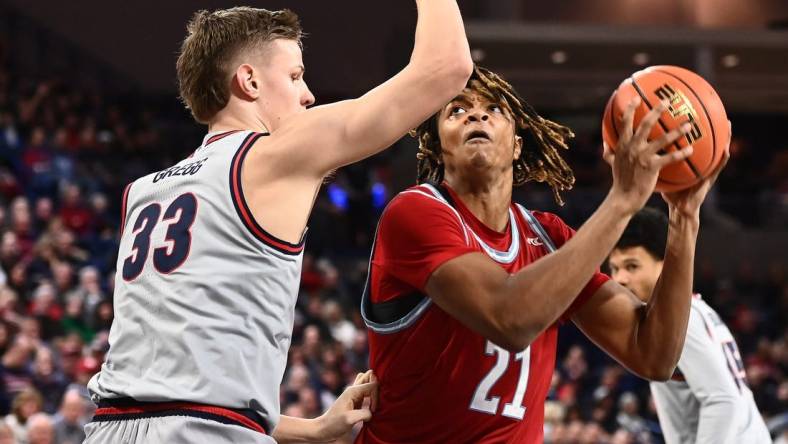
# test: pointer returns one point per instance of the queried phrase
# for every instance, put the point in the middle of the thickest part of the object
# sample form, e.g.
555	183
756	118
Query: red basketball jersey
441	382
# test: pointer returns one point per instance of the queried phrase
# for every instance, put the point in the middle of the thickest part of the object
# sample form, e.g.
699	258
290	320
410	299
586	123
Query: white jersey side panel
204	298
713	404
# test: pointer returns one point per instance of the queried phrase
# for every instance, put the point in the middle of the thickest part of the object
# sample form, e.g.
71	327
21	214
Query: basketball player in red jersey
463	299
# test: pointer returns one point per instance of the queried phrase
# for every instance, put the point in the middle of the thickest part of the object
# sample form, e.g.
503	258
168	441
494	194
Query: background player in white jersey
210	255
707	400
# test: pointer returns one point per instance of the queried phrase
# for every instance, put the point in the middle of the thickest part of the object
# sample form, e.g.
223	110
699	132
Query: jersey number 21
483	402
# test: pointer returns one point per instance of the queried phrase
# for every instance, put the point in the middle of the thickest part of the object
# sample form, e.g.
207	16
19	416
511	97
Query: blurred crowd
65	155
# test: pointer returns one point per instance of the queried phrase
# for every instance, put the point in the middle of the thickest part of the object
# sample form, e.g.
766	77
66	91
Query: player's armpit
610	318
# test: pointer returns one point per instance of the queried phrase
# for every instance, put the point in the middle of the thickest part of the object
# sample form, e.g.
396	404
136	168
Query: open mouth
477	136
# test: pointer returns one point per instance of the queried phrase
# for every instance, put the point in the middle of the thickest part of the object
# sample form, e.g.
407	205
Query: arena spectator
40	429
25	405
70	419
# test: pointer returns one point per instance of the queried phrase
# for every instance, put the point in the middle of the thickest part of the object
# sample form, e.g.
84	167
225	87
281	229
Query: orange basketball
692	100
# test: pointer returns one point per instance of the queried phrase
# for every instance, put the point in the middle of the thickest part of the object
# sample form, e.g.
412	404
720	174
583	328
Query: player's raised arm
513	309
648	338
327	137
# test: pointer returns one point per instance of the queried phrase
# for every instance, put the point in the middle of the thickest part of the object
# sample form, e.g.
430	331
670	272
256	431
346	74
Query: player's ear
518	147
246	81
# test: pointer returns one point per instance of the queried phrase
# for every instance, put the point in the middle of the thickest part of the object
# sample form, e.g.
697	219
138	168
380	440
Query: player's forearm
663	327
440	40
297	430
348	131
542	291
440	63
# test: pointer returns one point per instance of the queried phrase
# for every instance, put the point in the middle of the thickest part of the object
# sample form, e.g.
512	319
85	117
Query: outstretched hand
350	408
636	161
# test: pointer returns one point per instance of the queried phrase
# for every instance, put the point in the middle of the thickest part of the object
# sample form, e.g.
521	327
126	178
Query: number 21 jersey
440	381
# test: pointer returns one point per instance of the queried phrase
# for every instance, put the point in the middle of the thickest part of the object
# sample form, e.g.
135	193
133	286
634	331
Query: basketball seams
705	111
665	129
612	115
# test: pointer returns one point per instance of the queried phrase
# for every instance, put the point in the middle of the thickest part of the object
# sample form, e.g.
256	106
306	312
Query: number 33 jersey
440	381
204	297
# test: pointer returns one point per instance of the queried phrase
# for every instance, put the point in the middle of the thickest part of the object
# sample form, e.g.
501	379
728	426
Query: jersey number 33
179	217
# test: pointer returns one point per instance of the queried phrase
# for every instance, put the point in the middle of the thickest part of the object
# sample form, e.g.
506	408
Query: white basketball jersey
204	297
710	402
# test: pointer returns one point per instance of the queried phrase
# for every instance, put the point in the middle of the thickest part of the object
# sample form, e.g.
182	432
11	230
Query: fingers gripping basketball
690	100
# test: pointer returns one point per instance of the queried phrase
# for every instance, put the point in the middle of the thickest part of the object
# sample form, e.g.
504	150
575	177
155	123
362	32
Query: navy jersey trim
242	208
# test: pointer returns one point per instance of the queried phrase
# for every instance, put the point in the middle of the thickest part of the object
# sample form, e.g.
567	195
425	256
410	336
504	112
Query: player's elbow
459	70
516	327
657	372
517	332
657	365
514	344
657	376
444	77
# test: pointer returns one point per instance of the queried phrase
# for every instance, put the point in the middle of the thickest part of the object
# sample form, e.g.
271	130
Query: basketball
691	99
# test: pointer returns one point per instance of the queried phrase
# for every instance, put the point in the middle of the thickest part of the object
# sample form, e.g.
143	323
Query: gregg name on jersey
187	169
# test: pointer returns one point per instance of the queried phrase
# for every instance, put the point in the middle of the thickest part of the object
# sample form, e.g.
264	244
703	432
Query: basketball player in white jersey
210	255
707	399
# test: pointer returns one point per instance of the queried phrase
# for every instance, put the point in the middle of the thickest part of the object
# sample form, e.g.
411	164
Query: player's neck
488	200
232	119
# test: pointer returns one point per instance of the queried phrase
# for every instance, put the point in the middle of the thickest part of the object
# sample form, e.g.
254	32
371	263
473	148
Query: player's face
477	135
636	269
284	92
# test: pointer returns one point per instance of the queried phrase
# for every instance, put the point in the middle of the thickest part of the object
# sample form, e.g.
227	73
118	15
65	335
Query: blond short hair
214	41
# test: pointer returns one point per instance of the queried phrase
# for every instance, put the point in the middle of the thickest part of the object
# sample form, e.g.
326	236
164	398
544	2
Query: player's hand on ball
687	202
636	161
350	408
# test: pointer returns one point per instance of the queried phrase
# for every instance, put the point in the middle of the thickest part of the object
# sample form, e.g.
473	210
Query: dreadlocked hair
543	139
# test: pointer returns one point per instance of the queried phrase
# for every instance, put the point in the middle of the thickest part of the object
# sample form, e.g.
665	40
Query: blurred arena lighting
338	196
641	58
559	57
379	195
565	66
730	60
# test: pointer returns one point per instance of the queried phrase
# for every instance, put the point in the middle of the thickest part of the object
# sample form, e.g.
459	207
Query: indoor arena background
88	103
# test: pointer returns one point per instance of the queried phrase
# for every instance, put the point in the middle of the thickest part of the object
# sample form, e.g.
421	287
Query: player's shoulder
699	305
547	219
702	319
419	207
418	197
558	230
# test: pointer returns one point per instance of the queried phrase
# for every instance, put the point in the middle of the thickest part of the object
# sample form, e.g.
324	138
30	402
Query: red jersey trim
236	191
204	411
124	207
218	137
